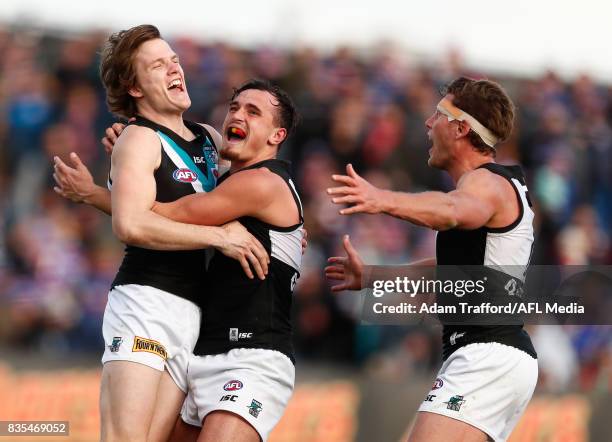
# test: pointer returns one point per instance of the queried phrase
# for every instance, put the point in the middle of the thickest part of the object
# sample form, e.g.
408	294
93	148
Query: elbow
448	218
127	231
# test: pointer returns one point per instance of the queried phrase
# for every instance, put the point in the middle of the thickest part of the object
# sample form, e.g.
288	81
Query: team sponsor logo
437	384
233	385
199	160
150	346
255	408
235	335
430	397
185	175
455	403
114	347
228	397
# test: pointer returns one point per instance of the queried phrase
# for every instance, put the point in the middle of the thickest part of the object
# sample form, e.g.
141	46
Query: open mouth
176	84
235	134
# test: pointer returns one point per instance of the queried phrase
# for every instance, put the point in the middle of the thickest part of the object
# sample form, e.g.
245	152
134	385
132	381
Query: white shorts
152	327
487	385
253	383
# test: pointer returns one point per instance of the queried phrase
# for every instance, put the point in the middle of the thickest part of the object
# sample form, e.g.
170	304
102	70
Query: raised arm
472	205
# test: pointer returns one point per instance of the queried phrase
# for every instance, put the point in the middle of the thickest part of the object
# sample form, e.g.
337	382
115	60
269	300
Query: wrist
217	238
385	201
92	196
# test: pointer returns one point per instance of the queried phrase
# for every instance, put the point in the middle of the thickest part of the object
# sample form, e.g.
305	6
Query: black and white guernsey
186	167
238	312
507	249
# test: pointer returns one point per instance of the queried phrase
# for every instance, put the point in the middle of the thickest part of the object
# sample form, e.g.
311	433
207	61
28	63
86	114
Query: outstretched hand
357	192
74	181
348	269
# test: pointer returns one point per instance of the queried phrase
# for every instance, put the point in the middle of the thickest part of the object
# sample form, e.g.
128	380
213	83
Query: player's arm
470	206
246	193
134	160
135	157
74	182
348	269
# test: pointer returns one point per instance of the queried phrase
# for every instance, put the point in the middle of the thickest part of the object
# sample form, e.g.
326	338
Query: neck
466	163
240	164
173	121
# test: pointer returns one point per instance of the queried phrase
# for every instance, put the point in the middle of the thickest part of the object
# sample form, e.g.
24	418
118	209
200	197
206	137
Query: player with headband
489	371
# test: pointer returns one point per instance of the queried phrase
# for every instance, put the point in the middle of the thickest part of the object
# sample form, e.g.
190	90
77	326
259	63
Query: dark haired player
242	374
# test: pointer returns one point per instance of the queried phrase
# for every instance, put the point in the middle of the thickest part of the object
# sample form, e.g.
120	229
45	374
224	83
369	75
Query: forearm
435	210
152	231
191	209
100	198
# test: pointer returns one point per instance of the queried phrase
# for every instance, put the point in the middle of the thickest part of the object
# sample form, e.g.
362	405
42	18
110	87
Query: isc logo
234	335
184	175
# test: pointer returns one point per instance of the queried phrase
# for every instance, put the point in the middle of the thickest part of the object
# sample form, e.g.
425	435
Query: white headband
454	113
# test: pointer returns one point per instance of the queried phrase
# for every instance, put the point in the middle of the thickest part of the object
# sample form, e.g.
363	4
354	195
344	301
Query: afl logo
233	385
184	175
437	384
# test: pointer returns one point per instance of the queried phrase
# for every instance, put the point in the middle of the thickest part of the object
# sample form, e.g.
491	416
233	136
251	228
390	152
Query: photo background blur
363	100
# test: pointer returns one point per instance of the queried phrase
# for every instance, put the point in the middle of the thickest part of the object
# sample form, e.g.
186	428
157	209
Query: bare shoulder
133	134
484	183
481	178
262	176
254	182
135	146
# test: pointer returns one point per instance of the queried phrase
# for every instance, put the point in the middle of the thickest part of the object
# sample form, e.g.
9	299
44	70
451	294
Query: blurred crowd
364	107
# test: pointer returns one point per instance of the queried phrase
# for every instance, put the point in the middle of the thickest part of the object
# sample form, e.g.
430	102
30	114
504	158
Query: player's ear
135	92
278	136
463	129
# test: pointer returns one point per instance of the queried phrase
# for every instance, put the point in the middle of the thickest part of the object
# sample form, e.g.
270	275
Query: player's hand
347	269
362	196
304	240
74	181
240	245
111	134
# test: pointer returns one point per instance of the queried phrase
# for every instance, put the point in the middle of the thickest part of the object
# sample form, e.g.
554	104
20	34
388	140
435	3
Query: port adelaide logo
255	408
455	403
114	347
185	175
